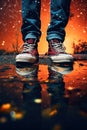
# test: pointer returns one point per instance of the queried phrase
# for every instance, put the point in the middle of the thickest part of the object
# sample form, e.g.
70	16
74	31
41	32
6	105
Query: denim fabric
31	23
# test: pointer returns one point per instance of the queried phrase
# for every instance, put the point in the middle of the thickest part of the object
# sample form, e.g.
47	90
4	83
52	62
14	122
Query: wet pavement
44	96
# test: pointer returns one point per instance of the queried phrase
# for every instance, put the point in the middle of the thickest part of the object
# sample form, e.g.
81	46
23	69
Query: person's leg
30	29
31	23
60	10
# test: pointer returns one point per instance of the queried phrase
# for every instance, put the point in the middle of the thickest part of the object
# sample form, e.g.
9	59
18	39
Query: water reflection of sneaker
54	76
28	72
61	69
57	52
29	52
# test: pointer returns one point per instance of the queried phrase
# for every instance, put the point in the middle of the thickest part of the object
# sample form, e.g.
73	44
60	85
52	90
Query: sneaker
29	52
57	52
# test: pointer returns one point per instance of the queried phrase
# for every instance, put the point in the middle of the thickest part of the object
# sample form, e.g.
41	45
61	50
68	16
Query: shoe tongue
56	40
30	41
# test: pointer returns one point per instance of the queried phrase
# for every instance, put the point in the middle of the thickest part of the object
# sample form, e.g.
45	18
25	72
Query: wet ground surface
44	96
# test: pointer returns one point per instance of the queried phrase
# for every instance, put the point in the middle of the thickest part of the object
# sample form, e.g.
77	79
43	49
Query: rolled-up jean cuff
30	35
55	36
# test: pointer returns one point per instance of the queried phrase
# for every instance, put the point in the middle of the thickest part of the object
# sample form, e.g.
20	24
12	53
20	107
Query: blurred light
3	43
16	115
52	113
5	107
37	101
3	119
70	88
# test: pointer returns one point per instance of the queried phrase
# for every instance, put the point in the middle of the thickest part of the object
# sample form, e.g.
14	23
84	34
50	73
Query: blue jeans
31	23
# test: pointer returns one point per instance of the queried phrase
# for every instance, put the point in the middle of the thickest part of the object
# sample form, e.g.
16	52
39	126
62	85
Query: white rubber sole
62	58
25	58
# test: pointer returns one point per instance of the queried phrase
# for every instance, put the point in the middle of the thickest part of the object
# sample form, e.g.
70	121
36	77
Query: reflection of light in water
3	119
5	107
37	101
53	112
12	113
16	115
70	88
3	43
48	112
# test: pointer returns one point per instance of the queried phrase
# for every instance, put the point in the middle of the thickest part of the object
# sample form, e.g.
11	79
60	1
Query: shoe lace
59	47
27	47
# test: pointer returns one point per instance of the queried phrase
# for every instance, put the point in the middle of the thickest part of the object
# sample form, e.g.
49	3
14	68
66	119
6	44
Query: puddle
43	97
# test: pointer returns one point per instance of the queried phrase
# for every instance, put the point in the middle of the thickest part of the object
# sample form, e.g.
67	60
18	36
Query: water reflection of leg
32	92
32	104
58	106
55	85
31	86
